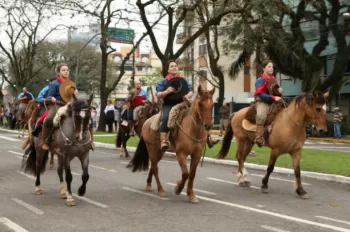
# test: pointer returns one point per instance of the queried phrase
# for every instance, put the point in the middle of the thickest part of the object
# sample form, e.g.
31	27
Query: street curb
313	175
330	140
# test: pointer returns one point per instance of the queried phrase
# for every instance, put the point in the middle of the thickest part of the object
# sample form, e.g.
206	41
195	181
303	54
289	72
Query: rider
263	99
40	100
25	96
134	104
168	104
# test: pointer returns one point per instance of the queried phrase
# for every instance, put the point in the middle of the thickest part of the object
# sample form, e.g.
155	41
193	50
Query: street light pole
78	59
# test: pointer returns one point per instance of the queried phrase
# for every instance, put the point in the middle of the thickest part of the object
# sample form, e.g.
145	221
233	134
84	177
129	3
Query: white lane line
91	201
124	162
147	194
168	161
335	220
283	216
274	229
324	143
197	190
9	138
228	182
102	168
28	206
308	142
17	153
13	226
76	174
24	174
275	178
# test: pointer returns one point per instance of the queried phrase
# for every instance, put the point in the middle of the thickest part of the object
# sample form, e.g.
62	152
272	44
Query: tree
277	32
21	22
152	79
184	8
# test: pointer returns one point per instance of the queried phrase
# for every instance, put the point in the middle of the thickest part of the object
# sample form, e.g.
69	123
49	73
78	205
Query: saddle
176	115
249	122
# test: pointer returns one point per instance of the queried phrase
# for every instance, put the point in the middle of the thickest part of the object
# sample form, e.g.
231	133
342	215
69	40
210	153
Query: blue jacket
54	90
41	95
262	91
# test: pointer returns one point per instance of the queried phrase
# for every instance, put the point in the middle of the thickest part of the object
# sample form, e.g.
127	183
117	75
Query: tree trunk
103	89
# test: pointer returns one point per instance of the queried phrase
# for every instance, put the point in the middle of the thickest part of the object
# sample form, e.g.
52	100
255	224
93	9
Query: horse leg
195	158
124	145
149	180
69	178
273	157
245	175
181	158
296	155
240	159
38	190
63	192
52	165
84	160
155	156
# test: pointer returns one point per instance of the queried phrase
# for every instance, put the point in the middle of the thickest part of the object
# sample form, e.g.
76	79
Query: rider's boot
164	143
44	135
259	140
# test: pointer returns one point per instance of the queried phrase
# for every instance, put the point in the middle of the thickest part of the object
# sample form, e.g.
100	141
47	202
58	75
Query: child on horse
263	99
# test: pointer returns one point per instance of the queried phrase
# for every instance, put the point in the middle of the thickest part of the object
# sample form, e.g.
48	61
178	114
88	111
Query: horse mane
310	98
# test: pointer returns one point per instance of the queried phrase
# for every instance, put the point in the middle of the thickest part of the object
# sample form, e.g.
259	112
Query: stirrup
259	143
164	145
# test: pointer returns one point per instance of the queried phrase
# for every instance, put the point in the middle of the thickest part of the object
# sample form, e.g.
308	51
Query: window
139	69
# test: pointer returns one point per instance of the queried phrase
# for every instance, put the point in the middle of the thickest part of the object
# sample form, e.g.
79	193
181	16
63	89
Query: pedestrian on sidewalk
224	113
337	119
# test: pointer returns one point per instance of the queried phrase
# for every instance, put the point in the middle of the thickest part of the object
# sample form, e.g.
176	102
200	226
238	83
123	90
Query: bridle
312	119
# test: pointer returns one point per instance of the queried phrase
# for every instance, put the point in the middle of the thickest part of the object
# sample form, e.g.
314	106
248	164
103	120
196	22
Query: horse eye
318	109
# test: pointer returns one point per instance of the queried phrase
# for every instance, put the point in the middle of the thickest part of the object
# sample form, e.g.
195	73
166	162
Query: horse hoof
149	188
162	194
264	190
304	196
193	200
177	192
63	196
38	192
52	166
247	184
121	156
81	191
71	203
241	184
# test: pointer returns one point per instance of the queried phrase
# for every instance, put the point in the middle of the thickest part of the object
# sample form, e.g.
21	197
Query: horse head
202	107
81	114
315	109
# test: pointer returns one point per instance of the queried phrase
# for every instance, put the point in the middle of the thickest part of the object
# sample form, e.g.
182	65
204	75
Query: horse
31	114
123	135
287	136
189	138
21	120
70	139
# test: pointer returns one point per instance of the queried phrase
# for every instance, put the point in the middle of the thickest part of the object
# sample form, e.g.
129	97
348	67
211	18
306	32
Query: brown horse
31	114
287	136
190	139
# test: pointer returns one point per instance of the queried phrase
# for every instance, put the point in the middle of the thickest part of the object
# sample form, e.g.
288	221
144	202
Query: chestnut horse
190	140
287	136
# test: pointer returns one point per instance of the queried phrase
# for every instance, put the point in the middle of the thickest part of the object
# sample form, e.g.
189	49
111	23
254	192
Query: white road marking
168	161
9	138
306	142
324	143
283	216
144	193
17	153
91	201
76	174
274	229
228	182
102	168
197	190
28	206
13	226
124	162
332	219
24	174
19	157
275	178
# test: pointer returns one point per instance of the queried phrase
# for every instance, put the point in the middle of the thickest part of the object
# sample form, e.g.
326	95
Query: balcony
181	38
185	63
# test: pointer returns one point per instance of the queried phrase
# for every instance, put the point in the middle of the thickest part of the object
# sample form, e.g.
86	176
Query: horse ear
200	91
90	99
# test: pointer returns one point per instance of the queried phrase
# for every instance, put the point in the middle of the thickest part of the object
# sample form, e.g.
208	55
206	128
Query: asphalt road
116	199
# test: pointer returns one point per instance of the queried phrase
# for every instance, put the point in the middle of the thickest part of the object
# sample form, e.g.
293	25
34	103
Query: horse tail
30	158
226	143
141	158
119	138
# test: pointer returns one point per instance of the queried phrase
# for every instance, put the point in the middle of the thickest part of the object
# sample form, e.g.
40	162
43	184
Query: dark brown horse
190	140
287	136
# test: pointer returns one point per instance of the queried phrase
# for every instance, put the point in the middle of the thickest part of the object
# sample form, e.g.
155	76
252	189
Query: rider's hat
67	89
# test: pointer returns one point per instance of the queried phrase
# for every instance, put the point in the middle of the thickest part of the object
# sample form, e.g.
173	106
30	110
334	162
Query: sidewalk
326	139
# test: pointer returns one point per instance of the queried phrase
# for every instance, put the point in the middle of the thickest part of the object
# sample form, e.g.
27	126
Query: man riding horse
137	97
25	97
59	93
